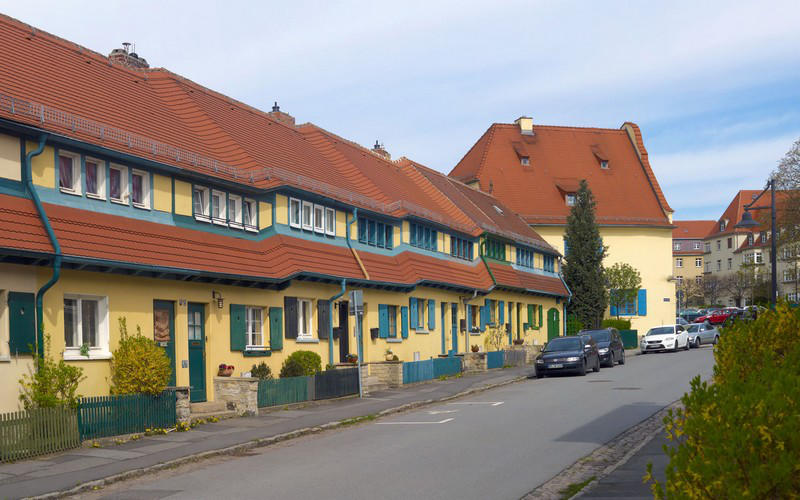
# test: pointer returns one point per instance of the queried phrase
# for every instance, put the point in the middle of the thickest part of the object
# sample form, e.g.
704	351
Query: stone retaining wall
475	362
183	406
239	394
387	372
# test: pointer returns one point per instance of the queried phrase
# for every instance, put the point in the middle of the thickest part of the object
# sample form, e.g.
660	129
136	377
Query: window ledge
307	341
220	222
201	218
422	332
70	191
96	196
252	229
394	341
475	334
254	353
235	225
100	356
141	206
5	359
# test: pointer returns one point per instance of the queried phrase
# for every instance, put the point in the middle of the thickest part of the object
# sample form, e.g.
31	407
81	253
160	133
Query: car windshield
599	335
661	330
563	344
693	328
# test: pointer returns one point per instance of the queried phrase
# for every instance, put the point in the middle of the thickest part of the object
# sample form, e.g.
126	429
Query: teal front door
164	331
454	323
197	353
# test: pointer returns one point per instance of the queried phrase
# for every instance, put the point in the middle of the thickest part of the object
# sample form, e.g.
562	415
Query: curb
258	443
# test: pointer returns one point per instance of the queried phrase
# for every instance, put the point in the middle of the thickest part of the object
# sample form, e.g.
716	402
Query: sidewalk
65	471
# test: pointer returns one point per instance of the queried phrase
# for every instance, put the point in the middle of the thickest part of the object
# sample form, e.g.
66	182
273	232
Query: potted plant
475	348
351	358
390	355
225	370
519	341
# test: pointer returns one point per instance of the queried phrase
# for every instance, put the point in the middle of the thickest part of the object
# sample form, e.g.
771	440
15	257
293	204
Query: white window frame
101	178
697	245
708	247
568	197
222	218
698	280
295	221
145	204
235	214
76	172
422	312
205	215
676	246
698	262
308	226
101	351
319	219
330	221
787	276
525	161
123	181
730	263
679	262
305	307
254	326
679	279
252	224
604	164
758	257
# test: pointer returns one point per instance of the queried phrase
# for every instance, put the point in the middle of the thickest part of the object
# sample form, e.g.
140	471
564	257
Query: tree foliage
301	363
138	365
51	384
787	179
583	269
737	437
623	282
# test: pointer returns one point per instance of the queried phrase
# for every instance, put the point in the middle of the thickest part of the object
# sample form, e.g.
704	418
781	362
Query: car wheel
675	347
698	342
716	339
582	369
611	360
597	365
622	357
539	375
686	346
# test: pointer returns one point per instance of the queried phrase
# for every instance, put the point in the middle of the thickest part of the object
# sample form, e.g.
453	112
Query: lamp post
748	222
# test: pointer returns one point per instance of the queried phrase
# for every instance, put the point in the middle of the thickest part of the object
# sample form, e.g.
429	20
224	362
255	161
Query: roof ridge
489	140
474	145
566	127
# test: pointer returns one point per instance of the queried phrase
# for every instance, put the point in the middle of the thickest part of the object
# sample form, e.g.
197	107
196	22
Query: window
392	316
758	258
698	280
697	245
708	267
719	265
748	258
422	309
249	215
722	225
676	246
549	263
95	179
319	219
200	203
604	164
492	312
525	257
330	222
570	199
235	211
304	318
461	248
294	212
422	236
764	236
708	247
730	263
524	161
719	244
118	184
679	279
787	275
679	262
69	173
253	328
475	313
730	242
308	216
218	207
495	249
698	262
85	325
375	234
750	239
140	189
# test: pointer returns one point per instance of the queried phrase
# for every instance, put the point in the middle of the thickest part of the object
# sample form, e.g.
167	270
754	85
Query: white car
665	338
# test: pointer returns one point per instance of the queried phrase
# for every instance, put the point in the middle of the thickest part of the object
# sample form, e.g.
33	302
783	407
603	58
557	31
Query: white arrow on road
439	412
491	403
415	423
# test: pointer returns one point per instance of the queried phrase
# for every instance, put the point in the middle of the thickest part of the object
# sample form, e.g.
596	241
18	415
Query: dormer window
525	161
570	199
750	239
200	203
69	173
604	164
722	225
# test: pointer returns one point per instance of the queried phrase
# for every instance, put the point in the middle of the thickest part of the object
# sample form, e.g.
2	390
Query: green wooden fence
494	359
282	391
114	415
26	434
335	383
630	338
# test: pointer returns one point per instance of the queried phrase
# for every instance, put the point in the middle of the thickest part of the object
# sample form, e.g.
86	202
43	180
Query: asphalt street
498	444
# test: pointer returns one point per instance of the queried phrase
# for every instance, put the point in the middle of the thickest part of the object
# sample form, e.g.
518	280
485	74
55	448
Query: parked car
702	333
721	316
568	354
706	314
680	321
609	345
663	338
690	316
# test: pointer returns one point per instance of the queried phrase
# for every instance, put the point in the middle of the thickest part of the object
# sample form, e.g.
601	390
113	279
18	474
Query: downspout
28	181
353	250
330	321
483	259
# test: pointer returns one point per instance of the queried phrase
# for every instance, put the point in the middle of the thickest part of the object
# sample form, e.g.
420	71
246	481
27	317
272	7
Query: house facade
688	260
536	170
230	235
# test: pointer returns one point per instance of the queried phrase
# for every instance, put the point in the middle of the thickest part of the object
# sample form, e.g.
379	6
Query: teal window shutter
431	314
613	310
501	312
275	328
642	302
484	316
404	321
469	318
383	321
238	338
22	323
412	305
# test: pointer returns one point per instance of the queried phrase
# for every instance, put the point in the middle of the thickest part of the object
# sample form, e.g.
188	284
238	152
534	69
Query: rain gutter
330	321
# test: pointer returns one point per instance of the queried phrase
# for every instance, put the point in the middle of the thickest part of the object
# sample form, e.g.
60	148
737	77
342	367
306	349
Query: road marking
415	423
439	412
492	403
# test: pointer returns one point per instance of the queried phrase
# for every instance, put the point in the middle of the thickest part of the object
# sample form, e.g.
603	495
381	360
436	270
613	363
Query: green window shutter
412	306
540	315
431	314
290	320
383	321
530	316
501	312
238	337
22	322
642	302
275	328
323	318
404	321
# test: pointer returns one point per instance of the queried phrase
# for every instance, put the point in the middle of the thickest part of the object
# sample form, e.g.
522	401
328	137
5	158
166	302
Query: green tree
623	282
51	384
583	269
138	365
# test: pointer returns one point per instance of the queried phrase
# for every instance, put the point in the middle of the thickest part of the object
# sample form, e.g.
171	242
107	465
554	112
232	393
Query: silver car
702	333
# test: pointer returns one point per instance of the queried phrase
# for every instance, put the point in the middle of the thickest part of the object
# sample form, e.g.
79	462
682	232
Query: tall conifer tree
583	269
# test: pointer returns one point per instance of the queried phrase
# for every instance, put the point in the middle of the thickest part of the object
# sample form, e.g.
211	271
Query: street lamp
748	222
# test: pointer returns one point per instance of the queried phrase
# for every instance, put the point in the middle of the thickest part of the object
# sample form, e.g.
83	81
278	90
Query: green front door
197	353
164	331
552	324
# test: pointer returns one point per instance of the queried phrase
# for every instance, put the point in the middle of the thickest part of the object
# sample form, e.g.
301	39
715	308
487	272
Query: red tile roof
692	229
626	193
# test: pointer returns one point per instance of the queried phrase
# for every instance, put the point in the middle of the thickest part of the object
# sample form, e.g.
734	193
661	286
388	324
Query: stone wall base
239	394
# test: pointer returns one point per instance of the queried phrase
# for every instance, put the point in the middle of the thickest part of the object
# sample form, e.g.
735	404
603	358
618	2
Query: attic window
722	225
604	164
524	161
498	209
570	199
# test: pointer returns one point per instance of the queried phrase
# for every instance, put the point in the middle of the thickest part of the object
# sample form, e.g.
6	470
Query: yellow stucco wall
10	165
43	167
264	215
162	193
406	231
649	250
397	236
13	278
281	209
341	224
183	198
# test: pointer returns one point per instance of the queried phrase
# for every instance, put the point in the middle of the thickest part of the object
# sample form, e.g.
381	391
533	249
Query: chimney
525	125
280	116
125	57
378	149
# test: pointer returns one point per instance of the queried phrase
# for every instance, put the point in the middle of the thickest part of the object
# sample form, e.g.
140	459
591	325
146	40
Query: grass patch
358	420
574	488
448	377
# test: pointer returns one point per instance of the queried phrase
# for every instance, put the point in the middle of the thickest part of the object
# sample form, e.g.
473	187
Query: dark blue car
568	355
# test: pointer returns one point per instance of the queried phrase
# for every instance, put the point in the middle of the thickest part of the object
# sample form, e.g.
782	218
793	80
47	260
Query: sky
714	85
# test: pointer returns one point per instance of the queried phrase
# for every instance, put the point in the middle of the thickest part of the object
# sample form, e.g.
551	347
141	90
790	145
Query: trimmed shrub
737	437
138	365
51	384
261	371
301	363
619	324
